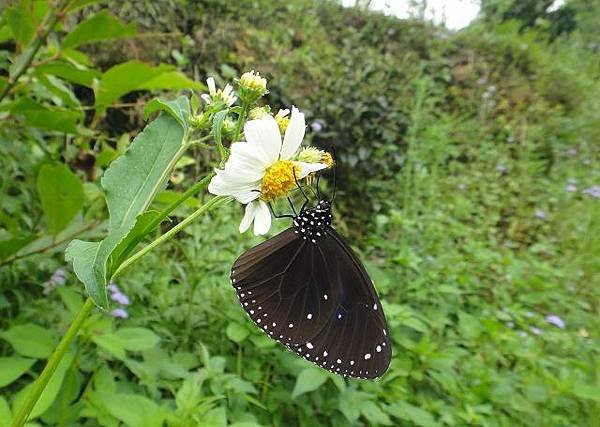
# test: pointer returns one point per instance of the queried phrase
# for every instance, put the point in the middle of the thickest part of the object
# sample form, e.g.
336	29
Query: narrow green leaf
65	70
135	75
130	184
60	90
101	26
217	130
50	392
374	414
5	414
61	194
137	339
309	379
12	368
10	247
30	340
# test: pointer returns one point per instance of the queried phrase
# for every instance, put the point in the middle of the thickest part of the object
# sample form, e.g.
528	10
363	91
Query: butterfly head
312	223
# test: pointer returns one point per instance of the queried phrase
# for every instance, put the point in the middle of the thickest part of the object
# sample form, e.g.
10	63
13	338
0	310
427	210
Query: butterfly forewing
306	288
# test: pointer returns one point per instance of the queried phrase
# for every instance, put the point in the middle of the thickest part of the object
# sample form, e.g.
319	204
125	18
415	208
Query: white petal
307	168
262	221
249	215
243	192
205	97
264	137
212	89
294	134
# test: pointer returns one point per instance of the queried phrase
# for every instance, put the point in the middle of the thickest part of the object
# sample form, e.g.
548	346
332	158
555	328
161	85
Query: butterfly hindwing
279	285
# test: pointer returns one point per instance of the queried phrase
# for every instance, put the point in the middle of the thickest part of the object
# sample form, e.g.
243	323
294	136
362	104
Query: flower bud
282	120
252	87
259	112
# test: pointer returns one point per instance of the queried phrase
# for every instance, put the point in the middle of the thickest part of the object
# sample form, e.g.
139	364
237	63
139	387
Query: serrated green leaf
309	379
12	368
236	332
61	194
50	391
135	75
137	339
178	108
30	340
101	26
130	183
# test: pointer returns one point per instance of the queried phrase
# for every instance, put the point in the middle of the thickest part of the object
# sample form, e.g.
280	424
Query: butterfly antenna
334	168
301	190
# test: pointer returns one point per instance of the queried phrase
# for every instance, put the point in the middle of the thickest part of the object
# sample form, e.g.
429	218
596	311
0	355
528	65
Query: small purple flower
120	297
593	191
59	277
113	287
540	214
536	331
316	126
571	188
553	319
120	313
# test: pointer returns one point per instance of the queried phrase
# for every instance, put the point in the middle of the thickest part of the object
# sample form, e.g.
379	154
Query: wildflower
222	98
553	319
282	120
536	331
501	167
112	287
119	313
540	214
572	152
583	333
522	334
259	112
511	325
571	188
120	298
593	191
316	126
262	169
252	87
58	278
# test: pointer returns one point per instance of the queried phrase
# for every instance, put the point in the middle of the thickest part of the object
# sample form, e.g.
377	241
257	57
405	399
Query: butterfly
307	289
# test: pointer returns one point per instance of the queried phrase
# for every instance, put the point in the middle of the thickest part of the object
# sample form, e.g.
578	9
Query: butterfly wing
317	299
279	285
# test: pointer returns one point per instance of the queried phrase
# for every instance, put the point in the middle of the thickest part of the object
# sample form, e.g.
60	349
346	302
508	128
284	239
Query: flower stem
212	203
53	361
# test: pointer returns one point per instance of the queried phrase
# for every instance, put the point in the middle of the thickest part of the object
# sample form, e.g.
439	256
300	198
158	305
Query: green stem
53	361
212	203
238	127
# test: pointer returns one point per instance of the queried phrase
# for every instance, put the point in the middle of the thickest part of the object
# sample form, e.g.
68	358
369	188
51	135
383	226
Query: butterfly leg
279	216
292	206
301	190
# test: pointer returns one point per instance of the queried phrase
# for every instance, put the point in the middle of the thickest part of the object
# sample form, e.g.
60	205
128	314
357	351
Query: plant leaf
309	379
101	26
12	368
30	340
130	183
135	75
178	108
13	245
40	116
65	70
236	332
61	194
137	339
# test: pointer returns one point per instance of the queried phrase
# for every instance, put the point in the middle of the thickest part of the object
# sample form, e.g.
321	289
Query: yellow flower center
283	123
278	180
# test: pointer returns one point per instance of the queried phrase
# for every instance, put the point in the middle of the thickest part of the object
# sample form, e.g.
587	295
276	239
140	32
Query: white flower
226	95
261	170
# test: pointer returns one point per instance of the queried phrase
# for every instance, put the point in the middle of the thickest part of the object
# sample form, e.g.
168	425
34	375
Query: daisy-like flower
214	96
263	169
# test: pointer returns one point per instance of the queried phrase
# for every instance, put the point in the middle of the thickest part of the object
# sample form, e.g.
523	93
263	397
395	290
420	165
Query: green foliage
455	153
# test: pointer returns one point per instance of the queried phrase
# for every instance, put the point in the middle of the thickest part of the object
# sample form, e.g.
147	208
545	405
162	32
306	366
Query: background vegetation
468	179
